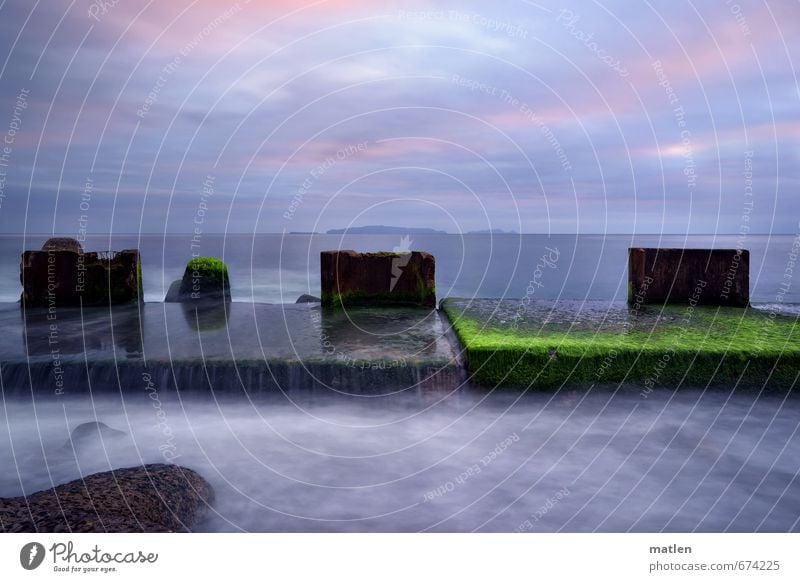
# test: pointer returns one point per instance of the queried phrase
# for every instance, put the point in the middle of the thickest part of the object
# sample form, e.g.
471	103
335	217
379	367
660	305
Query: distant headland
380	229
492	231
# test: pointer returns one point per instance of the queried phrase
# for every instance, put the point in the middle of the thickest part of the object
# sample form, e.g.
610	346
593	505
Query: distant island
380	229
492	231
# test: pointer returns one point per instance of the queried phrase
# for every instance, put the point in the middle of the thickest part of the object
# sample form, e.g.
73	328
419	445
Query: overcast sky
646	117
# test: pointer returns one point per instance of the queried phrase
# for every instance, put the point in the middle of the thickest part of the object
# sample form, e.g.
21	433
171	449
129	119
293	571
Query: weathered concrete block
390	278
699	276
63	275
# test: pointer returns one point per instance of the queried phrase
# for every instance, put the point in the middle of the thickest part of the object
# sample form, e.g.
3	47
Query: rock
204	278
92	432
174	292
388	278
304	298
62	244
696	276
151	498
63	275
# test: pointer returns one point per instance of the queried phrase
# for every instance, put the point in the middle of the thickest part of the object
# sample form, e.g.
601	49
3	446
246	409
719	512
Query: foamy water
573	461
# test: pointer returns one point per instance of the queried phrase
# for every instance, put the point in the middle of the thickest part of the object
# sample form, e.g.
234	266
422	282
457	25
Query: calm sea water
277	268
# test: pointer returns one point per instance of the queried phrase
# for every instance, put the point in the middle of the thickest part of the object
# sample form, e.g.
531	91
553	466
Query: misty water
454	458
602	460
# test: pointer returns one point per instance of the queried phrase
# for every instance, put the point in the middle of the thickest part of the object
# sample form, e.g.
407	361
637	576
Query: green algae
139	280
664	347
388	298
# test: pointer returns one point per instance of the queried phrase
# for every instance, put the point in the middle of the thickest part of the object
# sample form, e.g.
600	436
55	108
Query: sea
465	458
277	268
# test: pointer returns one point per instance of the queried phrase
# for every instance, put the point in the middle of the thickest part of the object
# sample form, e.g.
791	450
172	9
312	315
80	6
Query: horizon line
306	233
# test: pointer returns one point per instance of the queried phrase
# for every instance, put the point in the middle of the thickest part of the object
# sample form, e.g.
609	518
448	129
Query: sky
208	116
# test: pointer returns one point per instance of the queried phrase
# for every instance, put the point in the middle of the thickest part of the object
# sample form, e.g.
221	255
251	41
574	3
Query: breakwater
553	344
225	347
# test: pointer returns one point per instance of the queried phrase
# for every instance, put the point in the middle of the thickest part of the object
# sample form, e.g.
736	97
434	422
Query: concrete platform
547	345
234	347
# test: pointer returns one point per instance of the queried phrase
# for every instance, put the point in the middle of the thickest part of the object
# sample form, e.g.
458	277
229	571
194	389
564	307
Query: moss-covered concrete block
386	278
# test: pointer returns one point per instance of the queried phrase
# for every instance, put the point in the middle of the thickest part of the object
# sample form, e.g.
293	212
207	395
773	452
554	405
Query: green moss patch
387	298
546	346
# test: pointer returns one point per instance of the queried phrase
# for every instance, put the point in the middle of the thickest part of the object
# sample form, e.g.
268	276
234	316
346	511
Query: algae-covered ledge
552	344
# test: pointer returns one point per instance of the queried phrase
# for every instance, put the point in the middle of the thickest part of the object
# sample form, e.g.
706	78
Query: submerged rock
304	298
91	433
387	278
203	278
151	498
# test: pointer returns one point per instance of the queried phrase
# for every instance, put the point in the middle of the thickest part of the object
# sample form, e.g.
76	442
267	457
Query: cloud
487	110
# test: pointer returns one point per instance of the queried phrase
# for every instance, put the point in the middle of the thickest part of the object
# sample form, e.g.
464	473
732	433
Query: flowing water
461	461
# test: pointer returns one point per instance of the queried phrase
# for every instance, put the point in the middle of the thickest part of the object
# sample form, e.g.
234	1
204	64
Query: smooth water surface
461	461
